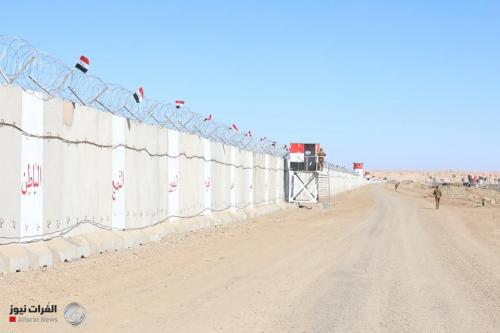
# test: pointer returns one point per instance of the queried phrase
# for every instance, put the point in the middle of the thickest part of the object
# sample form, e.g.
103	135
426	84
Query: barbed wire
23	65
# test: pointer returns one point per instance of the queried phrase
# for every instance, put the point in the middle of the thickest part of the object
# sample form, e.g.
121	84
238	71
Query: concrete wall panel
259	179
173	174
233	187
249	172
144	179
76	176
207	180
221	182
95	166
32	167
119	174
191	175
10	160
240	181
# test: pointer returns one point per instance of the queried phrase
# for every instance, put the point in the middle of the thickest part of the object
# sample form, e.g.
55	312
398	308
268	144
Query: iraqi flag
178	104
139	95
249	134
83	64
208	118
234	128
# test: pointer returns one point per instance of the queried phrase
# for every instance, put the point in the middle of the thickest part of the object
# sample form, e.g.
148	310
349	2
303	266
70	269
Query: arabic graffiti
116	186
32	179
173	185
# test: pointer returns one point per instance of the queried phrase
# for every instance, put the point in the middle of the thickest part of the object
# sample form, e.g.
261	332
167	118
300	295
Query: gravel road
378	261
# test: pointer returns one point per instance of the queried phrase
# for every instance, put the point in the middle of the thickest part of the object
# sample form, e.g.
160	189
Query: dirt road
378	261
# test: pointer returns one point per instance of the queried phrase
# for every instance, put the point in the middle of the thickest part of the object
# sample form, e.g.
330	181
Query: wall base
21	257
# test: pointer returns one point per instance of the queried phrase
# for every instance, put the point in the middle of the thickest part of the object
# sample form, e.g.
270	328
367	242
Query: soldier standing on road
437	196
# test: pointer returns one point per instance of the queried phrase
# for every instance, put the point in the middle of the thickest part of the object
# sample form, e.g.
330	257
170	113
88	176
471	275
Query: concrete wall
343	181
65	165
66	169
340	181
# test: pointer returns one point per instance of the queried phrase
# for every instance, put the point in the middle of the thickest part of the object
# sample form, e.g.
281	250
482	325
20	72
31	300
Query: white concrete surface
102	170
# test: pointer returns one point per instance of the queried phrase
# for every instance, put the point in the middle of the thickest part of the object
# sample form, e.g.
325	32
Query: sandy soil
378	261
454	176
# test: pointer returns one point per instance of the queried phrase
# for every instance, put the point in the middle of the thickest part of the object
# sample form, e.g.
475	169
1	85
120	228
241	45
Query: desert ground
450	176
376	261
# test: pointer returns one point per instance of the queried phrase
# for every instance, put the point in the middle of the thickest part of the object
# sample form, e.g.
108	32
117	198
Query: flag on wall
234	128
208	118
83	64
178	104
139	95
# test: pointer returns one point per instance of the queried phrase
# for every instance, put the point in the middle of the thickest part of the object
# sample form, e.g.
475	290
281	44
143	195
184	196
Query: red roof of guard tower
300	147
357	166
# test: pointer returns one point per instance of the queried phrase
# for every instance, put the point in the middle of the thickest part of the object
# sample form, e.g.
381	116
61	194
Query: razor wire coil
23	65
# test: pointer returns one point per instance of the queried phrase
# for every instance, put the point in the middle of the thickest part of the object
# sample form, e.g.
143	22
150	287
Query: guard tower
358	168
308	178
